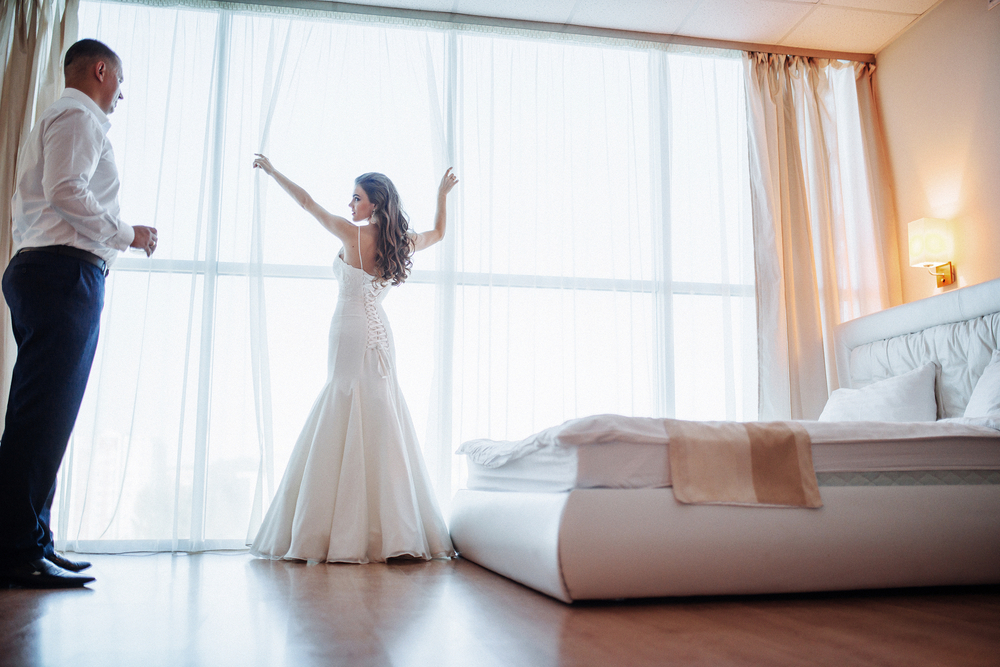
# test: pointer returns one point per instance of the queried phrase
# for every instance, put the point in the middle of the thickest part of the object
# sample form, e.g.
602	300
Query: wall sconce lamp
932	245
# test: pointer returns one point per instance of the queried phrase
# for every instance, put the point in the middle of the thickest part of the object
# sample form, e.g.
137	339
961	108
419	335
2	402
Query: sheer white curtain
213	350
598	257
604	250
824	233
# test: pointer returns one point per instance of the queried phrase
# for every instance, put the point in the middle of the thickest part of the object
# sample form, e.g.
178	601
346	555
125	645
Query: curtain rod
566	29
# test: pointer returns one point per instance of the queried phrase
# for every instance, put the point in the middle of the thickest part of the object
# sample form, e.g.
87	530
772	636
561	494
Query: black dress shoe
41	573
66	563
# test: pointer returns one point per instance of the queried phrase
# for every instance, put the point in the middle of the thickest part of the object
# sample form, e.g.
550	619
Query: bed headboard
958	330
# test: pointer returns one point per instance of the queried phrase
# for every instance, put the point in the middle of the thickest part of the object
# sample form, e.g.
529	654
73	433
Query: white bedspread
613	429
593	430
611	451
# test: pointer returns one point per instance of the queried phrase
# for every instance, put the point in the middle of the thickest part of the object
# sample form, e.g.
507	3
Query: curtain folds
824	232
33	36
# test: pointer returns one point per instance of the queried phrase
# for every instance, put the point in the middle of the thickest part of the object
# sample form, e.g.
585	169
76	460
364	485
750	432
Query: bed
903	503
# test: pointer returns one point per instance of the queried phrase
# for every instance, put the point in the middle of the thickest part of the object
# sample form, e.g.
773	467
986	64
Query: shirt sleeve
72	145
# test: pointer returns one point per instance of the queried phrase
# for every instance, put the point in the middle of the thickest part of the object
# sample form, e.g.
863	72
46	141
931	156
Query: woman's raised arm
429	238
338	226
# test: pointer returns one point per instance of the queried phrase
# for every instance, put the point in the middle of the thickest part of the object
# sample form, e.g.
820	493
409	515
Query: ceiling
847	26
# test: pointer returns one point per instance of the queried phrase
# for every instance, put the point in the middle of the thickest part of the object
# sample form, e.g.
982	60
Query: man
66	231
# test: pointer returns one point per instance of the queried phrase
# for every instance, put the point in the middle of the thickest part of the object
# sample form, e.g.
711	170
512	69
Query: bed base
590	544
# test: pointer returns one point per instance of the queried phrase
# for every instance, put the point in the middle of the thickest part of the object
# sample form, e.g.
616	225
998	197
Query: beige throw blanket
742	463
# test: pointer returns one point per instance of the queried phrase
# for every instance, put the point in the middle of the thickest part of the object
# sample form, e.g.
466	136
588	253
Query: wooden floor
215	609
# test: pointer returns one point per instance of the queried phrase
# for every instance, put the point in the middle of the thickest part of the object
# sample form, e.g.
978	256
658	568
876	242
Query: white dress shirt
67	182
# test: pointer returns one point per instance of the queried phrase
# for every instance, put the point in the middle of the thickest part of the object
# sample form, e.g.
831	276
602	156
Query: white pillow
985	399
905	398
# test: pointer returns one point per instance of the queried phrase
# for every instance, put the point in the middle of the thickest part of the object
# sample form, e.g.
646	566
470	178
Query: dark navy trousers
55	305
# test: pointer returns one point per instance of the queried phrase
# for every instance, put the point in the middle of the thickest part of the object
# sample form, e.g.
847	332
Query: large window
598	257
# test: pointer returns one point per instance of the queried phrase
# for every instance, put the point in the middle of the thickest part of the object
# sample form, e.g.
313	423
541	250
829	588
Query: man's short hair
87	51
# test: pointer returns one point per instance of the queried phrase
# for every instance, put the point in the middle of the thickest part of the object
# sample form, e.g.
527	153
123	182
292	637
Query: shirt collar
90	104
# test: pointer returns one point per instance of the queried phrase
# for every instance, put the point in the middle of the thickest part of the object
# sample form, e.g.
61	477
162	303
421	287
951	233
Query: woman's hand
337	225
429	238
261	162
448	181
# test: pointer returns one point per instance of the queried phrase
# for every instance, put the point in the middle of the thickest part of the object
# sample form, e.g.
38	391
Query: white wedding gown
356	489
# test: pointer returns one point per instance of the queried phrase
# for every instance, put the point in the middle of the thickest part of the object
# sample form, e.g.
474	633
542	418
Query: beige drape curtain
33	36
824	229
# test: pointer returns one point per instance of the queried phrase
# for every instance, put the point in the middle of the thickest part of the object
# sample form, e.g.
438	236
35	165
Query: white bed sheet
836	447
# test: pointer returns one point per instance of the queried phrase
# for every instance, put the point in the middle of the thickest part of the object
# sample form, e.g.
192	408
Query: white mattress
592	544
837	447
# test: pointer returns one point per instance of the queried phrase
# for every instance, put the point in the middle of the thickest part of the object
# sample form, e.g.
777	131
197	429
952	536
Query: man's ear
101	70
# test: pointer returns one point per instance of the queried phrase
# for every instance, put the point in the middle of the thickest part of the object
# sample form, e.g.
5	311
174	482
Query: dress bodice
358	284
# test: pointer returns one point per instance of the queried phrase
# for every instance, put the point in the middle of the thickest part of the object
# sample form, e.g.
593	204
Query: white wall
939	91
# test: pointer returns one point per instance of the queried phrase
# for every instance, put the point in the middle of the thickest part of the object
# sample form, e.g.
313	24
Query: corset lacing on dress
378	339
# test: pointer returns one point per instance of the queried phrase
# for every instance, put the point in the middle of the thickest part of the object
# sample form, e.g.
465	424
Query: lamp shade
931	242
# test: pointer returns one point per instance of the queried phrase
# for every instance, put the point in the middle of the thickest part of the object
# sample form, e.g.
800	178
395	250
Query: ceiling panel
757	21
852	26
641	15
842	29
547	11
423	5
899	6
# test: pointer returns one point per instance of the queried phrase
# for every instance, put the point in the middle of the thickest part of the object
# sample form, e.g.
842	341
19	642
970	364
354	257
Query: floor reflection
470	617
407	613
218	609
323	610
22	633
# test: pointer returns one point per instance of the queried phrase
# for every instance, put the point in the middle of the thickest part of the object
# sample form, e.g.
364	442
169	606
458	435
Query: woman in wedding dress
356	489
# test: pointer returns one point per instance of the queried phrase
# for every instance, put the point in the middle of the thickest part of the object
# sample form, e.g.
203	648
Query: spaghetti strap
360	258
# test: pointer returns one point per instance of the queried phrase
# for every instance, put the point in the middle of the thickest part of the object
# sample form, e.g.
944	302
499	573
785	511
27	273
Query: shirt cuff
123	239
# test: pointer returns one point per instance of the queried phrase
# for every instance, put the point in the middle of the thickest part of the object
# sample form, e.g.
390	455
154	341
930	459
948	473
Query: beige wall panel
939	91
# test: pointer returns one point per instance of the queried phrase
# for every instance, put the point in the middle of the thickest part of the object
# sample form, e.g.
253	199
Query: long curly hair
394	249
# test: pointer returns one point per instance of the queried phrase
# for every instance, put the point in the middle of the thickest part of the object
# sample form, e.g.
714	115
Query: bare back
360	252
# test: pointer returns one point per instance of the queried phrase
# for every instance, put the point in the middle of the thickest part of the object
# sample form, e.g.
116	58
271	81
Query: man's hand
145	239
